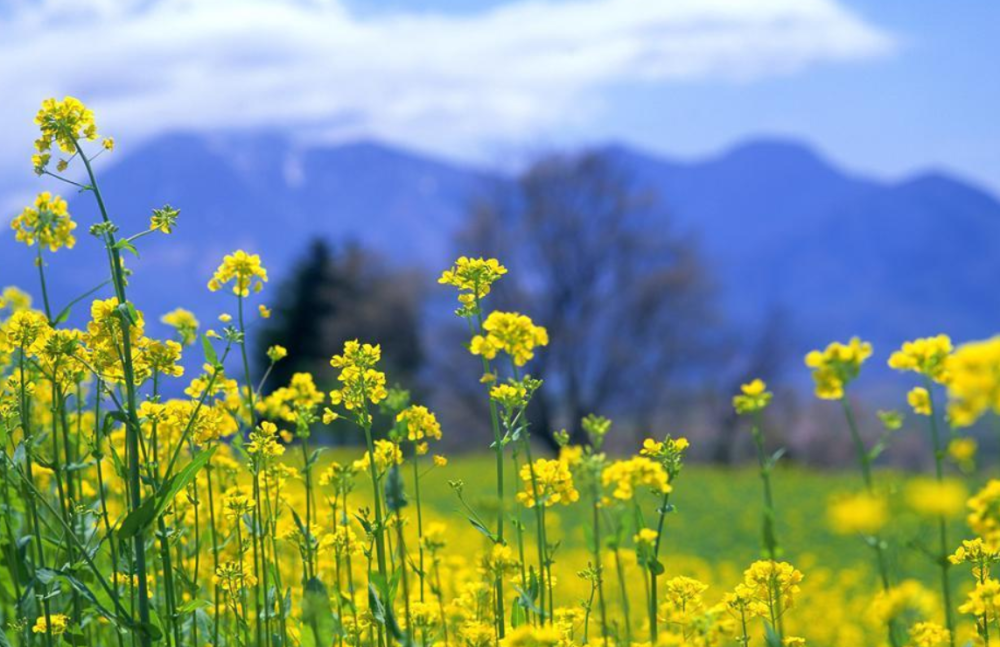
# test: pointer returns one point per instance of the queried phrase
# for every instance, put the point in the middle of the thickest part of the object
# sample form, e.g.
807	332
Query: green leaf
127	246
128	312
150	510
483	529
62	317
383	613
771	637
210	354
193	605
518	616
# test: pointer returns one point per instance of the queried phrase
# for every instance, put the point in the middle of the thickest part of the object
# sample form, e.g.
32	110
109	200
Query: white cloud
446	82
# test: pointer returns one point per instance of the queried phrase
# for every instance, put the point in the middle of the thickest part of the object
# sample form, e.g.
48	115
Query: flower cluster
626	476
837	366
973	371
47	223
243	270
63	123
926	356
361	382
420	423
547	482
753	397
512	333
474	277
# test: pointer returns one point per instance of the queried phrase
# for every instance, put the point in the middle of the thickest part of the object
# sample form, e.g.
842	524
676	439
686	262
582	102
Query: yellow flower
264	441
14	299
929	634
360	381
909	597
926	356
473	277
184	322
963	452
973	381
645	537
547	482
60	623
638	471
931	498
419	423
919	400
108	144
439	460
164	357
512	333
387	454
984	512
754	397
983	600
290	403
164	220
836	366
48	223
277	353
243	269
975	551
774	584
510	396
62	123
528	635
857	513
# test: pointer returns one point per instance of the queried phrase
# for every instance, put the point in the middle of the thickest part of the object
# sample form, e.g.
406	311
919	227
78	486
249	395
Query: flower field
132	517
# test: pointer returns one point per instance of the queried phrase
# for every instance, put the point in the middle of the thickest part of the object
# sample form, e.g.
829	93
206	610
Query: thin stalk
942	557
132	428
864	462
498	583
598	565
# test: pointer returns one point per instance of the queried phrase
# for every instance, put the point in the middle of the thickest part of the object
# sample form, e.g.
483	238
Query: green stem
864	462
132	428
942	558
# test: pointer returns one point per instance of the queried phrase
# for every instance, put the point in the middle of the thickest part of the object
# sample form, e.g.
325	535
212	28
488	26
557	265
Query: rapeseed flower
926	356
361	382
243	270
837	366
547	482
59	624
512	333
973	371
47	223
63	123
861	513
184	322
420	423
932	498
474	278
753	397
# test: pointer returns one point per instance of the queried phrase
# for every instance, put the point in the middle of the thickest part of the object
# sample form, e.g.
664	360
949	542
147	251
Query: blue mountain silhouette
779	226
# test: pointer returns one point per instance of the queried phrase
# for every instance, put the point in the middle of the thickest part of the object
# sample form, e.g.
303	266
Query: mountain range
779	226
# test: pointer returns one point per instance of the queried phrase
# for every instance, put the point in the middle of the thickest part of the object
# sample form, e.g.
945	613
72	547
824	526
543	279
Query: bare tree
625	300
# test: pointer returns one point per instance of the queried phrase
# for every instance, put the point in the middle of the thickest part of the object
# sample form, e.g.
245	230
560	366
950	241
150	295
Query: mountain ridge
779	224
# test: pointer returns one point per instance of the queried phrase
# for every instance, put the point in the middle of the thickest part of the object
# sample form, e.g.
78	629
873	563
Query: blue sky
888	88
